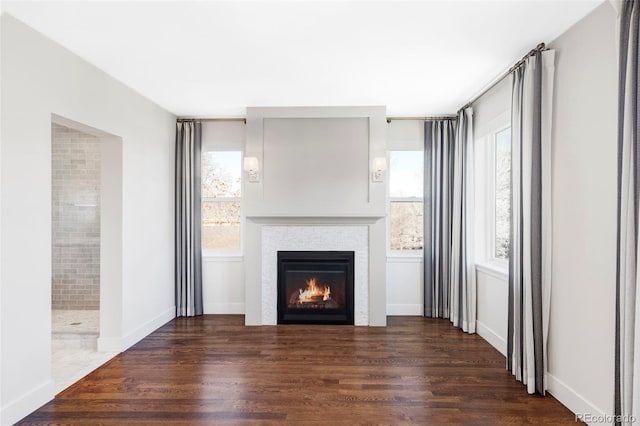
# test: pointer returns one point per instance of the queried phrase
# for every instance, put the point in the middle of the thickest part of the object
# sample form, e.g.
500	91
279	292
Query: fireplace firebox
315	287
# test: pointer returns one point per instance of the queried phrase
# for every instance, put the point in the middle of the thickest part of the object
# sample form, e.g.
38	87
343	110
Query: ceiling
215	58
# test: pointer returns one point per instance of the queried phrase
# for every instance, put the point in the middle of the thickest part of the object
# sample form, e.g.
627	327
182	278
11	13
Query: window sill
222	257
495	269
404	257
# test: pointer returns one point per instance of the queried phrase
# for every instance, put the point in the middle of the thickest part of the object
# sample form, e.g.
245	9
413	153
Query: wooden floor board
214	370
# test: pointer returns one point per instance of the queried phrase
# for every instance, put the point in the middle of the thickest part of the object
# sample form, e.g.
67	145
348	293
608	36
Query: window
221	200
405	198
502	193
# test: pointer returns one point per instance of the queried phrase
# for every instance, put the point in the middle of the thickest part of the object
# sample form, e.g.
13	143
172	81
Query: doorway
82	302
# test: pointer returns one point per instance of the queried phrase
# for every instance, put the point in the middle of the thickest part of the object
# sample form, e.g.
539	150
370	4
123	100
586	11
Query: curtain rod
539	48
181	120
389	119
429	118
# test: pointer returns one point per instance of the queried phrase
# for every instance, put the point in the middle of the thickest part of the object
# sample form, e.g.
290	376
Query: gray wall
584	150
75	233
581	328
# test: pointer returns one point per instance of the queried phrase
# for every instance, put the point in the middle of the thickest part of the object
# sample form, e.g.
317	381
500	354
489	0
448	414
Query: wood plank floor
214	370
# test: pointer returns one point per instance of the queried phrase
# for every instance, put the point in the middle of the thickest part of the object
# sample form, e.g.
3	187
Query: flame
307	295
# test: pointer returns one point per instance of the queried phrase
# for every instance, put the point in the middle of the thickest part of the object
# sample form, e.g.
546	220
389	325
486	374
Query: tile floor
74	346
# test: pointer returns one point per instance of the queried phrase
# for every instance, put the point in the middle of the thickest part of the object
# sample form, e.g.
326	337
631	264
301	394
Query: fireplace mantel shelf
315	220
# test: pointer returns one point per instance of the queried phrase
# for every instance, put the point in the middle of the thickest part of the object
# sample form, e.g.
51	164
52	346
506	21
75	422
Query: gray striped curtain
627	364
188	250
449	277
438	204
462	274
530	249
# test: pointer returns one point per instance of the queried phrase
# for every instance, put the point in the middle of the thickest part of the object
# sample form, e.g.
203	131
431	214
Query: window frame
490	180
222	253
393	252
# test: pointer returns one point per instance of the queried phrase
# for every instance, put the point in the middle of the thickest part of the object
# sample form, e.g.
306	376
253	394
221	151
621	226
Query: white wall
490	113
405	282
39	78
405	286
492	304
581	336
223	284
223	273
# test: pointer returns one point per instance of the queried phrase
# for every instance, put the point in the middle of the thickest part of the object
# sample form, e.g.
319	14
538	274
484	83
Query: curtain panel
449	274
438	205
188	245
463	272
530	250
627	326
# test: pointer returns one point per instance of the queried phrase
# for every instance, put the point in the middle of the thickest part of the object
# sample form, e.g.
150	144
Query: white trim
315	220
572	399
405	309
110	344
221	200
120	344
391	199
223	258
405	199
224	308
232	147
501	120
147	328
27	403
494	270
84	370
493	338
339	238
402	257
491	193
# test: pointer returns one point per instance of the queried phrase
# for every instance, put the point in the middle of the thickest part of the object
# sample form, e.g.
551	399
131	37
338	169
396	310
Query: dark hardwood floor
214	370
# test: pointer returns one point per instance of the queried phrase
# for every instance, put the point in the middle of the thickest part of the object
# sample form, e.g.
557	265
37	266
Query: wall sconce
379	166
251	167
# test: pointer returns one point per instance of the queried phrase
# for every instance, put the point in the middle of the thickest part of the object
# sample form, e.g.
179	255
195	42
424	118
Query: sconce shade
250	164
251	167
379	164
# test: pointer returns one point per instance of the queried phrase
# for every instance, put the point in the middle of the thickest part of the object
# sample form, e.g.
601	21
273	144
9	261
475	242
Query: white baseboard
571	399
83	371
147	328
120	344
492	337
26	404
412	310
110	344
224	308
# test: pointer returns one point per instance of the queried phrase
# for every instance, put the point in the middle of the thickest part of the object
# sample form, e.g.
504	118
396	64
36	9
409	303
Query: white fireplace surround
364	236
315	238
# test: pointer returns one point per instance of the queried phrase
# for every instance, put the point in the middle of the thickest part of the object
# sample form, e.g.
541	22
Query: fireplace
315	287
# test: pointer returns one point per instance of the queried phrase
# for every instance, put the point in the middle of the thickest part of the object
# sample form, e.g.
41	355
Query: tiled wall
76	219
